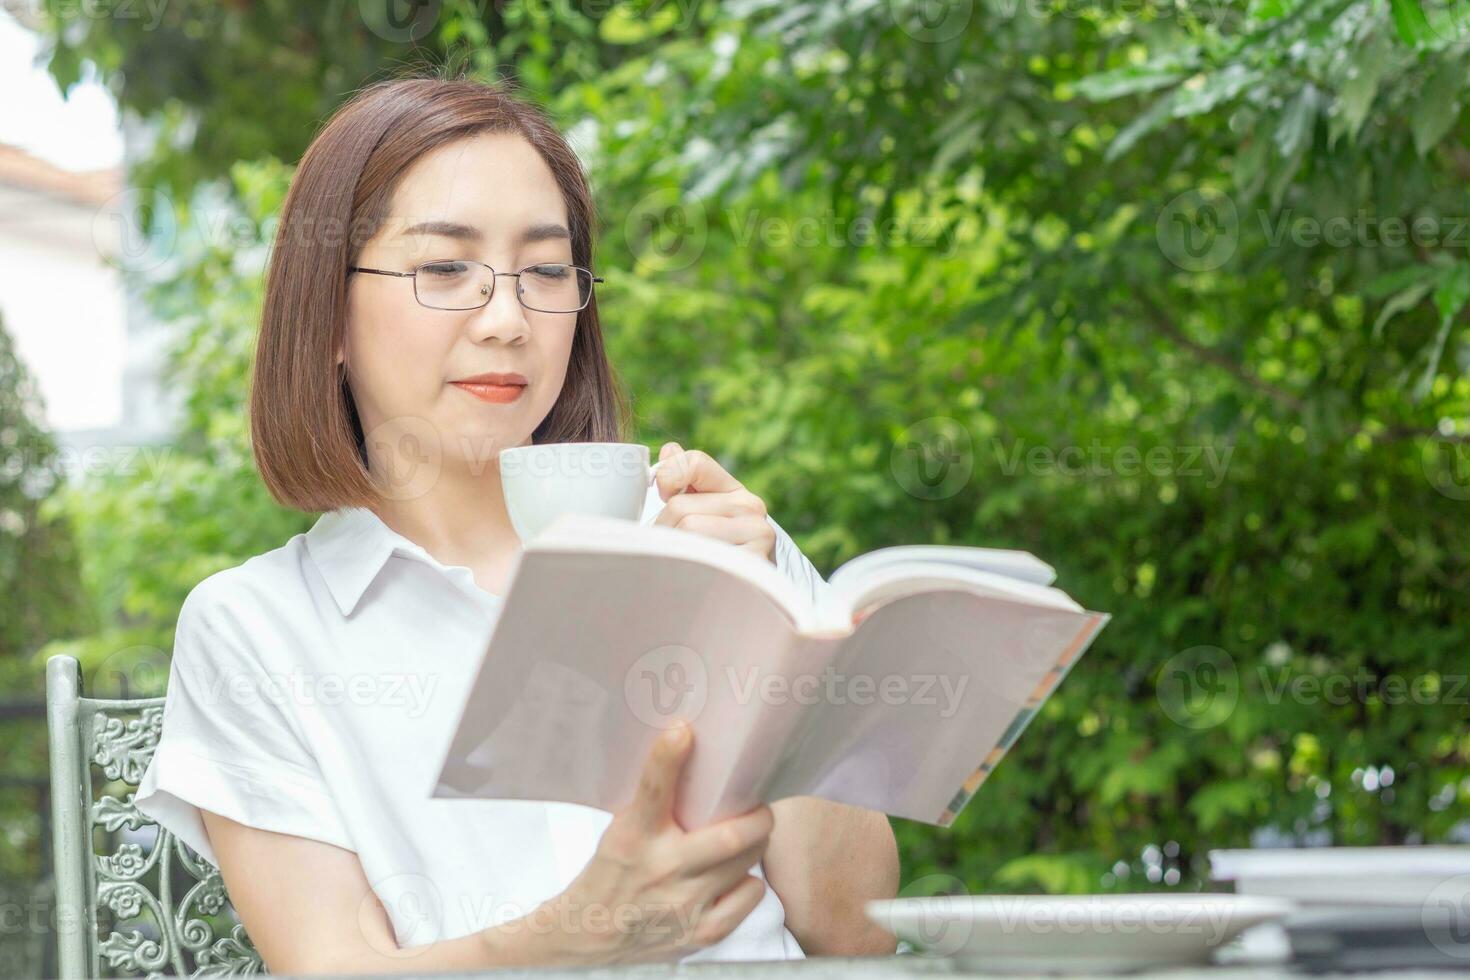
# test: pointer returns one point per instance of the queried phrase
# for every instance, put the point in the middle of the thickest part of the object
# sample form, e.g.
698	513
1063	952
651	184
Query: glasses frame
414	275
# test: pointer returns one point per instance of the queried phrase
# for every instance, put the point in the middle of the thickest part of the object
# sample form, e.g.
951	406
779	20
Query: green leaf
1055	874
1398	279
1215	805
1157	115
1204	92
1284	176
1125	81
1454	289
1250	164
627	25
1366	68
1450	298
1296	125
1409	20
65	66
1438	107
959	136
1401	302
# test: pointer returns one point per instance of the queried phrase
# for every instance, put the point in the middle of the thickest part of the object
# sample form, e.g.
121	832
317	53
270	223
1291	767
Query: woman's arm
311	911
825	861
651	892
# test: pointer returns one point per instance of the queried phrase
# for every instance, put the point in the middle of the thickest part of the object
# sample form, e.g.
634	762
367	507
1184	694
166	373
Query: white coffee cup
543	482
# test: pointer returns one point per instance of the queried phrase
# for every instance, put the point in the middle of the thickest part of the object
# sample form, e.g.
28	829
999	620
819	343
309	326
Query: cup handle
652	471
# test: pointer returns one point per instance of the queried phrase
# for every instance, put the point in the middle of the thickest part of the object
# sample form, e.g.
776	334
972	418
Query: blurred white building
63	300
65	222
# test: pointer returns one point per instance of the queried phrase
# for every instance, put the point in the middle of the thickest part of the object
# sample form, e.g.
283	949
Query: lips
492	378
493	386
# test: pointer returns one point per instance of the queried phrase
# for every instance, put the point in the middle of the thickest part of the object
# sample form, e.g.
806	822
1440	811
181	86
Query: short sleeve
228	744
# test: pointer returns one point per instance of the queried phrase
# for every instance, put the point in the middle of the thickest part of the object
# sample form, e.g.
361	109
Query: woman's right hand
653	891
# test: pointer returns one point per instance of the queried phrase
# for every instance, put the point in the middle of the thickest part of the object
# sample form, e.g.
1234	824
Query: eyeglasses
464	284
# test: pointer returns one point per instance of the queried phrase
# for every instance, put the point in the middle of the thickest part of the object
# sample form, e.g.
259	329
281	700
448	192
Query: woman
313	687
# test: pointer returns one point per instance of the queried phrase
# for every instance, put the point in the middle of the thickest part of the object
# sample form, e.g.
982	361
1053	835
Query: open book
899	690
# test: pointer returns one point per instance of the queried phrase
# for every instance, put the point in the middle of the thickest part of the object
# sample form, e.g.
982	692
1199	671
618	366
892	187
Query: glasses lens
455	285
555	288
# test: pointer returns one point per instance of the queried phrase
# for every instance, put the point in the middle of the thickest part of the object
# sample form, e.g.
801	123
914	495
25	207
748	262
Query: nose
503	318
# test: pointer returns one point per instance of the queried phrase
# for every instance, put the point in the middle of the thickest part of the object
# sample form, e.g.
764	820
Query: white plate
1083	933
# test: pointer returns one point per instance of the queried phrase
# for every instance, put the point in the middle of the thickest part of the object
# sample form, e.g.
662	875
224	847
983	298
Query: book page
591	534
785	693
854	599
566	705
926	697
1020	565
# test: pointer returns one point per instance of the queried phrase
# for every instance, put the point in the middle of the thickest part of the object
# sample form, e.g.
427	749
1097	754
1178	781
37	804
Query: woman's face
490	198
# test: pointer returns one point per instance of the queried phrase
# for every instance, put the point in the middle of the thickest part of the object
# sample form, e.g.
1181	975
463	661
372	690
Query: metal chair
155	913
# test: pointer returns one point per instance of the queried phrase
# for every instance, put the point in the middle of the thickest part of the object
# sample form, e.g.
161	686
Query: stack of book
1363	908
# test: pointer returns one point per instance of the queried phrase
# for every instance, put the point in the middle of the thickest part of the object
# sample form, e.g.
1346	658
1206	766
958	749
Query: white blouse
313	690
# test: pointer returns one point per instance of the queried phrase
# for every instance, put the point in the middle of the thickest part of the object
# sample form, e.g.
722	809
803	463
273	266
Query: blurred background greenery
1172	294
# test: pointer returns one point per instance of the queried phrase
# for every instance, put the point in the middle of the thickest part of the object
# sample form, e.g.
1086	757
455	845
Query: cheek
393	357
556	357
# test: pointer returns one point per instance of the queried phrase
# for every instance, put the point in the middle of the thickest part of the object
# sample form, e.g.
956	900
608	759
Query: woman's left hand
700	496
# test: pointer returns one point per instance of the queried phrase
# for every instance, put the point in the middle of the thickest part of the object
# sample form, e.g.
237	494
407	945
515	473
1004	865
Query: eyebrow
467	233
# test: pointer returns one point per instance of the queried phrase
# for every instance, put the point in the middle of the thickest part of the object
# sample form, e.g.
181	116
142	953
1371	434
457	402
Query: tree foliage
1177	290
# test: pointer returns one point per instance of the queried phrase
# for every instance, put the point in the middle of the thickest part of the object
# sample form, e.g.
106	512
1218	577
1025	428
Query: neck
460	519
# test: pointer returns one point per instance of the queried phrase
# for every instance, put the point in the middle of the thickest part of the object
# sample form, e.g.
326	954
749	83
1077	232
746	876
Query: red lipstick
493	386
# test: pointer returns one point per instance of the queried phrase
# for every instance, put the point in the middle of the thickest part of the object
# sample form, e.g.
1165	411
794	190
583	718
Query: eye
445	270
550	271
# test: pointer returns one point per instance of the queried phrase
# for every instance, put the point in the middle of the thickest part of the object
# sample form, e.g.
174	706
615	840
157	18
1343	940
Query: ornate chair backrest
127	891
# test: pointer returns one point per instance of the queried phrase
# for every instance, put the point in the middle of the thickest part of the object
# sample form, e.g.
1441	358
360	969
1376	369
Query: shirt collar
351	545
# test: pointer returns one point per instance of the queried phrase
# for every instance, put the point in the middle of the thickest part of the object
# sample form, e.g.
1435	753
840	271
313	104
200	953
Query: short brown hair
304	426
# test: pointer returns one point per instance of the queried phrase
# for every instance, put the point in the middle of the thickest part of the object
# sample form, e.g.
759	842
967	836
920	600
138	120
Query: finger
730	503
737	530
763	548
653	805
720	878
672	477
693	470
725	839
729	910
